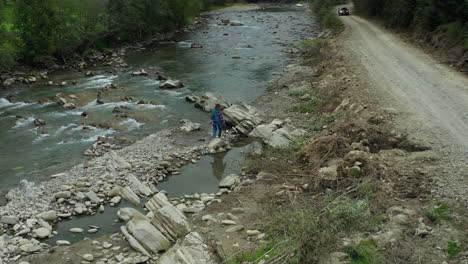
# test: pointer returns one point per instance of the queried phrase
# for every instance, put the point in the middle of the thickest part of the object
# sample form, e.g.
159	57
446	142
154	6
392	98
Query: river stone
48	216
125	193
10	220
229	181
116	200
24	262
235	228
171	84
30	248
93	197
133	242
88	257
253	232
76	230
92	230
62	243
228	222
127	213
148	235
42	232
192	249
64	194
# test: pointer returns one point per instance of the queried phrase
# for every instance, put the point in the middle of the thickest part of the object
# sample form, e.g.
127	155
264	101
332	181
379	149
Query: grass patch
300	92
365	252
307	107
219	7
260	256
312	51
326	11
305	235
440	213
453	248
319	122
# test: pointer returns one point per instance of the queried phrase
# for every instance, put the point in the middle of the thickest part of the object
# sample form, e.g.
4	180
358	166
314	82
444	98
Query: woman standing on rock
217	121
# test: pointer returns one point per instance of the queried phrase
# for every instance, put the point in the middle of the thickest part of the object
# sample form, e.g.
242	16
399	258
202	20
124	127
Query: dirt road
431	98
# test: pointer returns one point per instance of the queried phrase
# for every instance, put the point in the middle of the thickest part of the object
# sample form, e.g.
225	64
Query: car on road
343	11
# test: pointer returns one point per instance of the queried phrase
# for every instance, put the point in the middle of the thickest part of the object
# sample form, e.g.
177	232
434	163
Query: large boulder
138	186
115	162
48	216
171	222
190	250
229	181
207	102
188	126
126	193
148	235
171	84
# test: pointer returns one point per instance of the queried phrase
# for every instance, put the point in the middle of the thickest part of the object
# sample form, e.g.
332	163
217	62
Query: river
35	154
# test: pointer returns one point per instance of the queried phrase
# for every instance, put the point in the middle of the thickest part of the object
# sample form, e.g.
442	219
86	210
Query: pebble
88	257
228	222
62	243
235	228
76	230
253	232
92	231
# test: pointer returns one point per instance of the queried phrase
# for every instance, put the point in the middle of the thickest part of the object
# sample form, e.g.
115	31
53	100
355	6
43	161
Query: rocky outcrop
207	102
276	134
190	250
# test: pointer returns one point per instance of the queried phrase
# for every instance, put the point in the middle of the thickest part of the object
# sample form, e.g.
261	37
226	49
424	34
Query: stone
229	181
216	144
189	126
171	84
88	257
127	213
62	243
190	250
133	242
93	197
93	230
171	222
263	131
9	82
9	220
228	222
48	216
139	73
116	200
39	122
76	230
42	232
148	235
126	193
30	248
235	228
138	186
253	232
64	194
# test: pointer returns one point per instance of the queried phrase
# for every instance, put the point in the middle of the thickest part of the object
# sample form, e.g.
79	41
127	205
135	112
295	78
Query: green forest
37	32
449	16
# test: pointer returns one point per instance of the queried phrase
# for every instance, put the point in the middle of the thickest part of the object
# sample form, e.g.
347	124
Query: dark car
343	11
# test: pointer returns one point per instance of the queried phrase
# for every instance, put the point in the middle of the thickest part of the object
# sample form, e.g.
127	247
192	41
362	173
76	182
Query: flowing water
34	154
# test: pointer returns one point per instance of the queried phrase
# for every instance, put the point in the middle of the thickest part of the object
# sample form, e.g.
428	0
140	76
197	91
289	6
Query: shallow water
34	154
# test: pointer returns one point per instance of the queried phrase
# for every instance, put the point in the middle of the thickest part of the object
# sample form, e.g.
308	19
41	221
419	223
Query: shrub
319	122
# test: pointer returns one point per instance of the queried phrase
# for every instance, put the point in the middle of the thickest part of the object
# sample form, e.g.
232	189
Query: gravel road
432	98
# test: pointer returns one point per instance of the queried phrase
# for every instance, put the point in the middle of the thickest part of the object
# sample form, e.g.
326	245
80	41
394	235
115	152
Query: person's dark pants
217	129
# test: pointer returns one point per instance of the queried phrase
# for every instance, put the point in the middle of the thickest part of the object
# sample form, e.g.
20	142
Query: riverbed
236	62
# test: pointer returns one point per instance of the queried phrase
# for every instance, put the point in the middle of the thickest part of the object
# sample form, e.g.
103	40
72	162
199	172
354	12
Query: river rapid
236	62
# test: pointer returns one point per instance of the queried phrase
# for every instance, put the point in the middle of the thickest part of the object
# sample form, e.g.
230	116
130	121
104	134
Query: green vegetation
305	235
39	32
264	254
453	248
221	6
325	10
307	107
440	213
365	252
451	16
312	51
319	122
300	92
